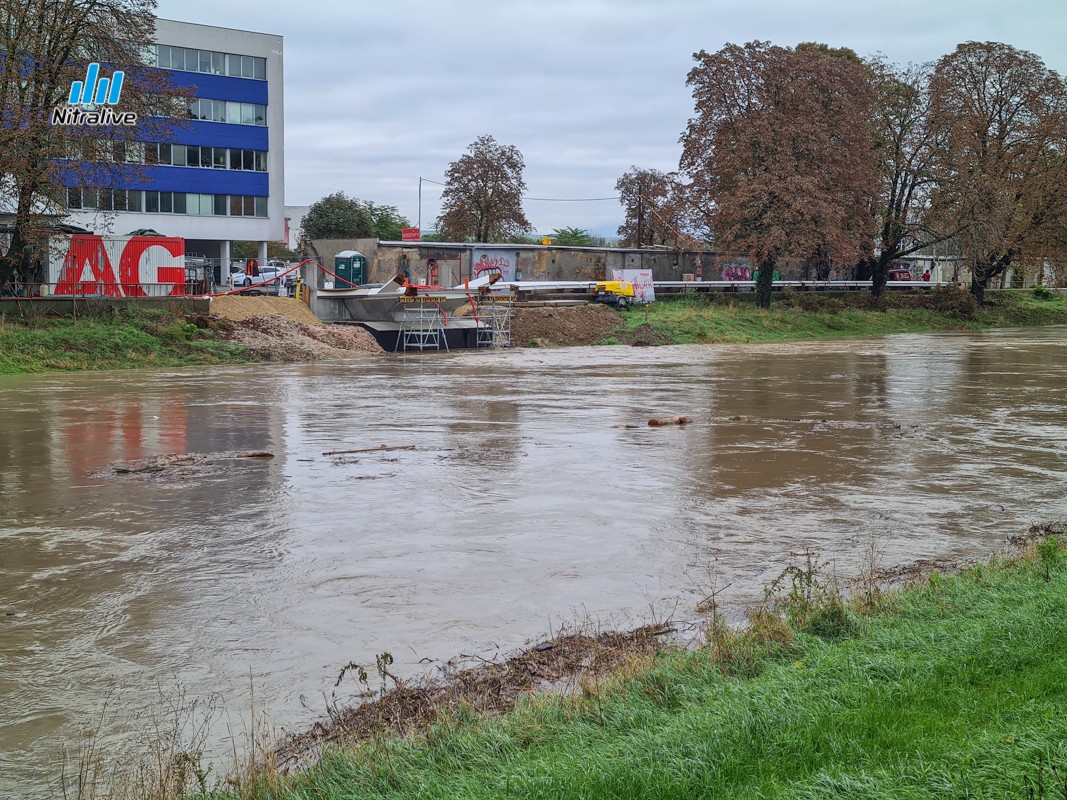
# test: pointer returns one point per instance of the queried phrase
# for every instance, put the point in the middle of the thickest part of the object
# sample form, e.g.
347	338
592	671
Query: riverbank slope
734	318
239	330
244	330
949	688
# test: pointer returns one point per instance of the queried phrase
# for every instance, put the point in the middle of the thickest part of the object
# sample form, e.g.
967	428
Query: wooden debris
657	421
379	449
180	464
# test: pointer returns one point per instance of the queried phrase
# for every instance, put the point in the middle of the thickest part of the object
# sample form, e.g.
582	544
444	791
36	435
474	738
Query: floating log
657	421
379	449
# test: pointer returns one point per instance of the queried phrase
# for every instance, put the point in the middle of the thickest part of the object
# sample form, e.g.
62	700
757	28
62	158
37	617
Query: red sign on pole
410	234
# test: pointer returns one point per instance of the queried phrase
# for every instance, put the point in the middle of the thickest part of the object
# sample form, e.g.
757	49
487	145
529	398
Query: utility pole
420	204
640	216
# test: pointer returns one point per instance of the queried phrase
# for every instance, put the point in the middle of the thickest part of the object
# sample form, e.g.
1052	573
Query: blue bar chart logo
95	90
91	101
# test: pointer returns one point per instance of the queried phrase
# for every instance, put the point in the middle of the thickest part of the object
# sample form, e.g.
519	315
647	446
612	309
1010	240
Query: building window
153	202
88	199
210	62
247	206
191	155
209	110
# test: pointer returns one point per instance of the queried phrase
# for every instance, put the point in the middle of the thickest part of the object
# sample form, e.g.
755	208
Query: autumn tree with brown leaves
45	45
653	208
906	144
782	149
1002	158
482	199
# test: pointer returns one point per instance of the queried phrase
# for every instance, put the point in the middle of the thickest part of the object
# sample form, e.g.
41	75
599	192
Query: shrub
1043	293
953	300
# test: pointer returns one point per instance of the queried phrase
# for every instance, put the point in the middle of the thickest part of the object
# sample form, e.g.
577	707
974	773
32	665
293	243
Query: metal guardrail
95	289
725	286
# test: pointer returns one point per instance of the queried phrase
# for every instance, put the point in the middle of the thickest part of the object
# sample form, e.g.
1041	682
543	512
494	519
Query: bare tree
782	149
45	46
1002	170
482	199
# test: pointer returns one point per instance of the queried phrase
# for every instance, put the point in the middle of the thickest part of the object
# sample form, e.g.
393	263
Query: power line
570	199
545	199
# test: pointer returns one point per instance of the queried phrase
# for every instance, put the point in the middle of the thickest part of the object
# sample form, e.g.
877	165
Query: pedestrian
926	276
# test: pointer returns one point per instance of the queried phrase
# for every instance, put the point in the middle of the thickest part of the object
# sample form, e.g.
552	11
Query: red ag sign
410	234
89	266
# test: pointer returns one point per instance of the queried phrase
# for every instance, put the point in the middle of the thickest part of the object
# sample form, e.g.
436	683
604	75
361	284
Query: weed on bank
950	688
127	339
733	318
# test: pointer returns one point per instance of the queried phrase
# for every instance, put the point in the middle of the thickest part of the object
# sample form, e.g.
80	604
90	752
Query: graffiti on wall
736	272
484	263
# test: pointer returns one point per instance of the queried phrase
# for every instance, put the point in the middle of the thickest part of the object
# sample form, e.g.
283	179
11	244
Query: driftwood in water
379	449
657	421
179	464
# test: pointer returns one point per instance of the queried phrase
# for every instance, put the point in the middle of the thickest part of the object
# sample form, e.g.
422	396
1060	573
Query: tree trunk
11	260
879	275
983	272
14	256
765	282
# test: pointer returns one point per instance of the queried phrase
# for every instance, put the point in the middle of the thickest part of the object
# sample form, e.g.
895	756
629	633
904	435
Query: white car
268	277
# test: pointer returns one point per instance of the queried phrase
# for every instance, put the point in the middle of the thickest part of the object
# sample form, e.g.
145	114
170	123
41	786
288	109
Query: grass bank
125	339
733	318
951	688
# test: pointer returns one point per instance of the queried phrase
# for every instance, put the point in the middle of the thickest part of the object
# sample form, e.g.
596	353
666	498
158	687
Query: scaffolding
422	326
494	317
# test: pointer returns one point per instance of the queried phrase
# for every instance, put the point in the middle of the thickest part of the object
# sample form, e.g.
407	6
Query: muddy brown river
525	504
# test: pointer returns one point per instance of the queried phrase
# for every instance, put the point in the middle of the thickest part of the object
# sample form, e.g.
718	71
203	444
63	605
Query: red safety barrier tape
474	308
338	277
264	283
441	311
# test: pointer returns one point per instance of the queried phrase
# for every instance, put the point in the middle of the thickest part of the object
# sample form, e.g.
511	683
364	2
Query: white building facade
220	178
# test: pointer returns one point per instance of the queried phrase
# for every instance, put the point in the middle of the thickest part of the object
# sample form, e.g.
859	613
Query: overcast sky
378	94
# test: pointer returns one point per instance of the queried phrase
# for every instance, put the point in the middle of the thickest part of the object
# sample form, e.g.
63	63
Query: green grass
691	319
126	340
950	689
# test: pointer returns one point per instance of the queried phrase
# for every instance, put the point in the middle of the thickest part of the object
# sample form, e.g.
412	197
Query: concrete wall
537	263
533	263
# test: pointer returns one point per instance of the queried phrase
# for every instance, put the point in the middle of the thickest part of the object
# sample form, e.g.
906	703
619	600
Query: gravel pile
278	338
241	307
284	329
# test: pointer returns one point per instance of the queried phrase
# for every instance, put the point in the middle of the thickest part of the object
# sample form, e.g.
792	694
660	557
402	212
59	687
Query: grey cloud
378	96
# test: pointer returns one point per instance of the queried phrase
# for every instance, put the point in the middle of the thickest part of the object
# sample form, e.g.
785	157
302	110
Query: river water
526	504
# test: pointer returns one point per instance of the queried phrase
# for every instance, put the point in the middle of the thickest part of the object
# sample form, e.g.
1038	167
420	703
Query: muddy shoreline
563	664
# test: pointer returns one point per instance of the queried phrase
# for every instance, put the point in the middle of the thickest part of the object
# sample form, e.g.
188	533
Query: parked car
266	281
900	275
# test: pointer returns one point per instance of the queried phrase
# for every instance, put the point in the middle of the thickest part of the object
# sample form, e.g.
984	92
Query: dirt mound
241	307
278	338
283	329
563	325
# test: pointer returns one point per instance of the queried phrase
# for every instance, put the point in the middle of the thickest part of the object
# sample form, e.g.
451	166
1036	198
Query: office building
220	178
